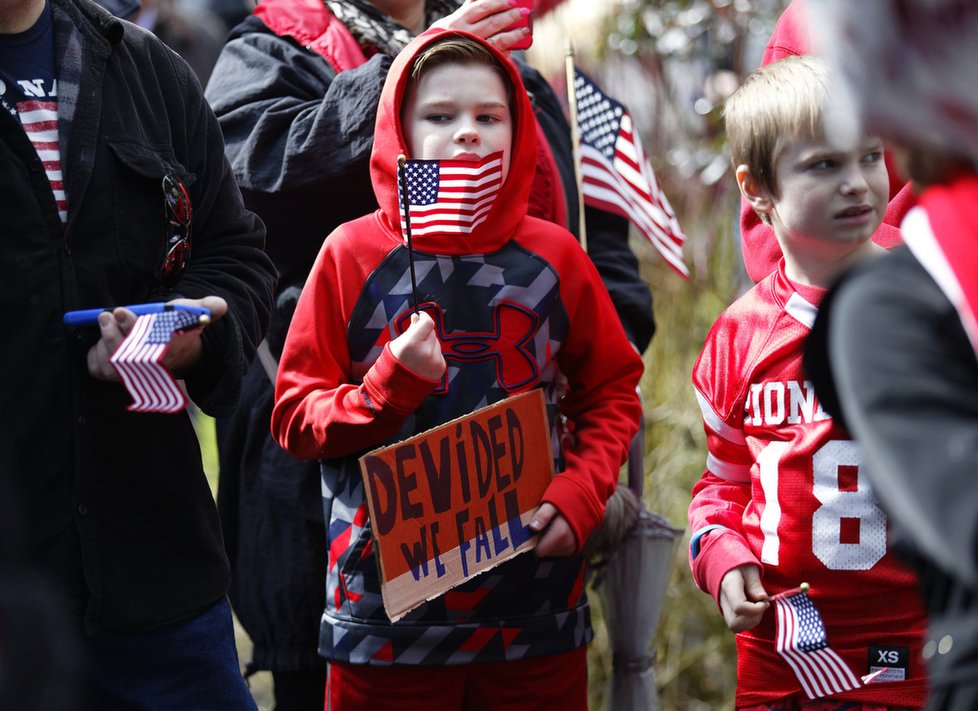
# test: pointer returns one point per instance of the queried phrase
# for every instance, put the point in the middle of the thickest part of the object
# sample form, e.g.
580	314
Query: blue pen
88	317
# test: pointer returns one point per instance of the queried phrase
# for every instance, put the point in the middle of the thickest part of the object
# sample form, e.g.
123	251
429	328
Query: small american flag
137	360
616	175
801	640
452	196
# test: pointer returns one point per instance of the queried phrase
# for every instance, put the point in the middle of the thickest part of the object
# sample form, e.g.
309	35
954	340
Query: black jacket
114	506
298	137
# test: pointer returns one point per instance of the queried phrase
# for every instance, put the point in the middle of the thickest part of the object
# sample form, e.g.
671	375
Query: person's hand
184	350
488	19
181	355
418	348
556	538
743	599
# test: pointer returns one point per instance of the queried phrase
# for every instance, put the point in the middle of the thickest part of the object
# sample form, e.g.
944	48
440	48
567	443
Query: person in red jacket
358	371
296	91
792	37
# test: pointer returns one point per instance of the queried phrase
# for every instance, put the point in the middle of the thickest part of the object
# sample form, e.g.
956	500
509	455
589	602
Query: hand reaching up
489	19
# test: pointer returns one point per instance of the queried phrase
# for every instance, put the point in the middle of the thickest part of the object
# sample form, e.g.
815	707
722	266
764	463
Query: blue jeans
187	666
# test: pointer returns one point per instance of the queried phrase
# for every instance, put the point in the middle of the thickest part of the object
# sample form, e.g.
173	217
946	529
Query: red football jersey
783	489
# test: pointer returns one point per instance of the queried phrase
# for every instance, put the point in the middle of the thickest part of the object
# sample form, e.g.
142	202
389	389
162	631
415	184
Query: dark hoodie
340	392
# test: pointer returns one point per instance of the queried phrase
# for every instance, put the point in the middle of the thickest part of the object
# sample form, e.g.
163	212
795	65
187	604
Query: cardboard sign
452	502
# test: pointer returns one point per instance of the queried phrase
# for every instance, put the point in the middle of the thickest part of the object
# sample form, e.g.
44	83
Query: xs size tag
892	663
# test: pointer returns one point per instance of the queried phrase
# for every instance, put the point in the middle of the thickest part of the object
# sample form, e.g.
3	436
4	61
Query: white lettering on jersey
790	402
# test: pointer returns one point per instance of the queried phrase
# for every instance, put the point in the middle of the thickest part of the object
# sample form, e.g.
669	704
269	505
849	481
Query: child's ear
758	196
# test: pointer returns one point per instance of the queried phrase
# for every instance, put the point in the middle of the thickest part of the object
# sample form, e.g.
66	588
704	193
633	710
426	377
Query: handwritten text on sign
456	500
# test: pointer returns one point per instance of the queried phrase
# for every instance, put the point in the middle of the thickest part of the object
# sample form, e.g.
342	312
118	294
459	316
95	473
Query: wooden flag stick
575	139
406	209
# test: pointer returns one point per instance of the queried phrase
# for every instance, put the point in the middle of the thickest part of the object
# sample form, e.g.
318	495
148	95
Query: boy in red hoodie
359	371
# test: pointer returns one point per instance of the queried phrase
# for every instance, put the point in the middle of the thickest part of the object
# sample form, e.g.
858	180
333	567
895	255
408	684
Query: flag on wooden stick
616	175
138	361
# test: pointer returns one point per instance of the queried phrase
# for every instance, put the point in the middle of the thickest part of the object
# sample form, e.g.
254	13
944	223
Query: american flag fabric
801	640
137	360
40	122
450	196
616	175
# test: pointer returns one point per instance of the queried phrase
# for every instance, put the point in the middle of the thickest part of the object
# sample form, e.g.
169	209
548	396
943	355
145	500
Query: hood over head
510	205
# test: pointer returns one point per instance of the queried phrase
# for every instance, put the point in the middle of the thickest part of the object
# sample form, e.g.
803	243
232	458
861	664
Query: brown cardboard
455	501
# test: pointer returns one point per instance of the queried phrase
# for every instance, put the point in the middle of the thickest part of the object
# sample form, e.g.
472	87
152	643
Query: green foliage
204	426
673	62
694	645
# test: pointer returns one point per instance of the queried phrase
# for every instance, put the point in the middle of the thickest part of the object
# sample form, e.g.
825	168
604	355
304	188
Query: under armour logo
507	345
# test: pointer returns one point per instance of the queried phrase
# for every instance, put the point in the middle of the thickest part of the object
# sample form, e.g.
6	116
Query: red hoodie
517	285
